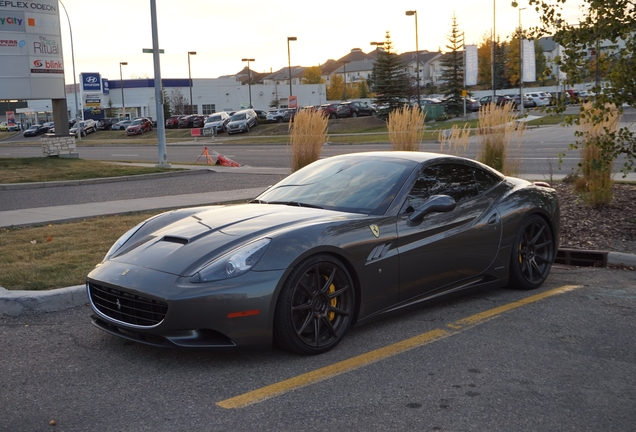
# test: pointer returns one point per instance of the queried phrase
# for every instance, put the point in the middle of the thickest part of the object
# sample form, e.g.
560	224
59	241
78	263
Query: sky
222	32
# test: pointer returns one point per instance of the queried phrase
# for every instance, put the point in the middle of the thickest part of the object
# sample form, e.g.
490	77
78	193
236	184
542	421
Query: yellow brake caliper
333	302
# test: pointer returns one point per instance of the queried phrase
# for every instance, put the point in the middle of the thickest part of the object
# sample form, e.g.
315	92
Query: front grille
126	307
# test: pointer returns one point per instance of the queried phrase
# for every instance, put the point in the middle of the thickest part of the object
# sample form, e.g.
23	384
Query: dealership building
94	96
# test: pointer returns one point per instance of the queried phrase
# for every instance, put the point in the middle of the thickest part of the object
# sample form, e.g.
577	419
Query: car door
447	248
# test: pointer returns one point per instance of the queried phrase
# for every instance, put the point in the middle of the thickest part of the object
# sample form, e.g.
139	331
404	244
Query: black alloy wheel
532	254
315	307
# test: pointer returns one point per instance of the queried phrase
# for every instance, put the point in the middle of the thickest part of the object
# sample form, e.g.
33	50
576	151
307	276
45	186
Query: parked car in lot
289	115
139	126
198	121
528	102
186	121
242	121
261	114
35	130
275	116
330	110
4	127
217	122
585	96
172	122
472	104
121	125
355	109
107	123
500	100
300	264
539	98
85	127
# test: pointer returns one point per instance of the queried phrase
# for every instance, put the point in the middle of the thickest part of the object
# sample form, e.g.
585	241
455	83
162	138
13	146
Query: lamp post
492	51
249	77
190	78
417	53
290	38
73	59
121	82
344	74
520	64
377	44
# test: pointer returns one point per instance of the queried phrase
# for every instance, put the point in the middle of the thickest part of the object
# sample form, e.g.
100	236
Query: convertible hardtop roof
419	157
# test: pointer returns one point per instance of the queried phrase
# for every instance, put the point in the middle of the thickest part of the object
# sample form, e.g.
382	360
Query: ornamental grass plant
406	128
597	127
498	130
307	135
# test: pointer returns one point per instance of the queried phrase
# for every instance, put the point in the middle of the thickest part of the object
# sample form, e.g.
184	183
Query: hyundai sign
91	82
31	61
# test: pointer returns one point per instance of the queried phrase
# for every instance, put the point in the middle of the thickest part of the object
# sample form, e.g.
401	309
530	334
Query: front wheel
532	254
315	307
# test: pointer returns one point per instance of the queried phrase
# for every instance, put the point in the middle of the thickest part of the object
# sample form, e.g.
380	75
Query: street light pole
520	64
249	77
289	38
121	83
417	53
74	76
190	79
492	51
344	74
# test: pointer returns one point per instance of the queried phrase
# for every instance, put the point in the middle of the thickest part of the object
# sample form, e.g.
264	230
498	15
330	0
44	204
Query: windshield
213	119
136	122
361	186
237	117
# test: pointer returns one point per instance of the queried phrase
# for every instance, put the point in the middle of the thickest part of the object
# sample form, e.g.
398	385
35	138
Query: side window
455	180
485	180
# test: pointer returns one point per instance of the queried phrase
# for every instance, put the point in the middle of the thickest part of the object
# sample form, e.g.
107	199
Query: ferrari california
342	242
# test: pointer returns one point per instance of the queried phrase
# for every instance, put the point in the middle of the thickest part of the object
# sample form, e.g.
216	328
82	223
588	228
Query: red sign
293	102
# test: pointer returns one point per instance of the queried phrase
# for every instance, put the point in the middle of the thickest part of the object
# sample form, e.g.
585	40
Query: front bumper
162	309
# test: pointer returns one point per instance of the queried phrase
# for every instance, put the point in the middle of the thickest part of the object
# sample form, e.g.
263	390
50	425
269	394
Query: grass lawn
29	170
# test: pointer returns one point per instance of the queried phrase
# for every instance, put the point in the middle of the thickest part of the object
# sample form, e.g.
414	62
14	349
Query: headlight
232	264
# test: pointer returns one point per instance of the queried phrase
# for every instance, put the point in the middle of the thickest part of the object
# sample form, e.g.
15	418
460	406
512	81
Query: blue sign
105	87
91	82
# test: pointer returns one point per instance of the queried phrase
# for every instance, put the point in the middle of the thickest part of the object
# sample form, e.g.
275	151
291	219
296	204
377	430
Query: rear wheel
532	254
315	307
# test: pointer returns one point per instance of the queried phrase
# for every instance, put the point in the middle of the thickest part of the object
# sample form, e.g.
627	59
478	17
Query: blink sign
31	62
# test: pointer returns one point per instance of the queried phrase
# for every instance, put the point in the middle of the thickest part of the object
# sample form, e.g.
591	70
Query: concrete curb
17	303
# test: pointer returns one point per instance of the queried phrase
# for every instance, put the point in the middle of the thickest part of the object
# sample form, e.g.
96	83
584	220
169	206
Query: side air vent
379	252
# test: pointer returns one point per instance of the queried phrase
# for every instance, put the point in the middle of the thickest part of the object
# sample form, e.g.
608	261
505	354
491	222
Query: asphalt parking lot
561	357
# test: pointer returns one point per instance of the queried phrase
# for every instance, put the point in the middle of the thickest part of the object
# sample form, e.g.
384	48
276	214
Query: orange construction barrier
208	158
224	161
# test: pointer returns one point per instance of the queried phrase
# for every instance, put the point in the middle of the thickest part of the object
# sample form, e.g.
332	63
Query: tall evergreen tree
390	82
453	69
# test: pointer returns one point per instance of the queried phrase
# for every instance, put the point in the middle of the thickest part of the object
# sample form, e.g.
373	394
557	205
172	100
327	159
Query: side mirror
435	204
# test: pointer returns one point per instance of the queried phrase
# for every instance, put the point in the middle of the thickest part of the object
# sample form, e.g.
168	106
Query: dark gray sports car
343	241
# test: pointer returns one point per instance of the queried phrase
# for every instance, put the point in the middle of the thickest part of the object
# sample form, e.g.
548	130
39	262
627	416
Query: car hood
181	247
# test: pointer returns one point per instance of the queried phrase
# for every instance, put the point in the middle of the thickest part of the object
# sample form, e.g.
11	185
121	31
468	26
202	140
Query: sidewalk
15	303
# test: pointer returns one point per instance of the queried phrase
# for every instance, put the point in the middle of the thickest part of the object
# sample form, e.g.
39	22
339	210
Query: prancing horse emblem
375	230
118	304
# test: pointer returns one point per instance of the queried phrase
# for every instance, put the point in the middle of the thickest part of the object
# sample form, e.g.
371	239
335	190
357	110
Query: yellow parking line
357	362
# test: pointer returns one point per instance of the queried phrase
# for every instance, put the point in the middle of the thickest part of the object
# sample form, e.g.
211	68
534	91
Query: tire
315	307
332	116
279	120
532	254
354	114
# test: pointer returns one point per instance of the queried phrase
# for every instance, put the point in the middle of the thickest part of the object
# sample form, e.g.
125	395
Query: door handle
494	219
